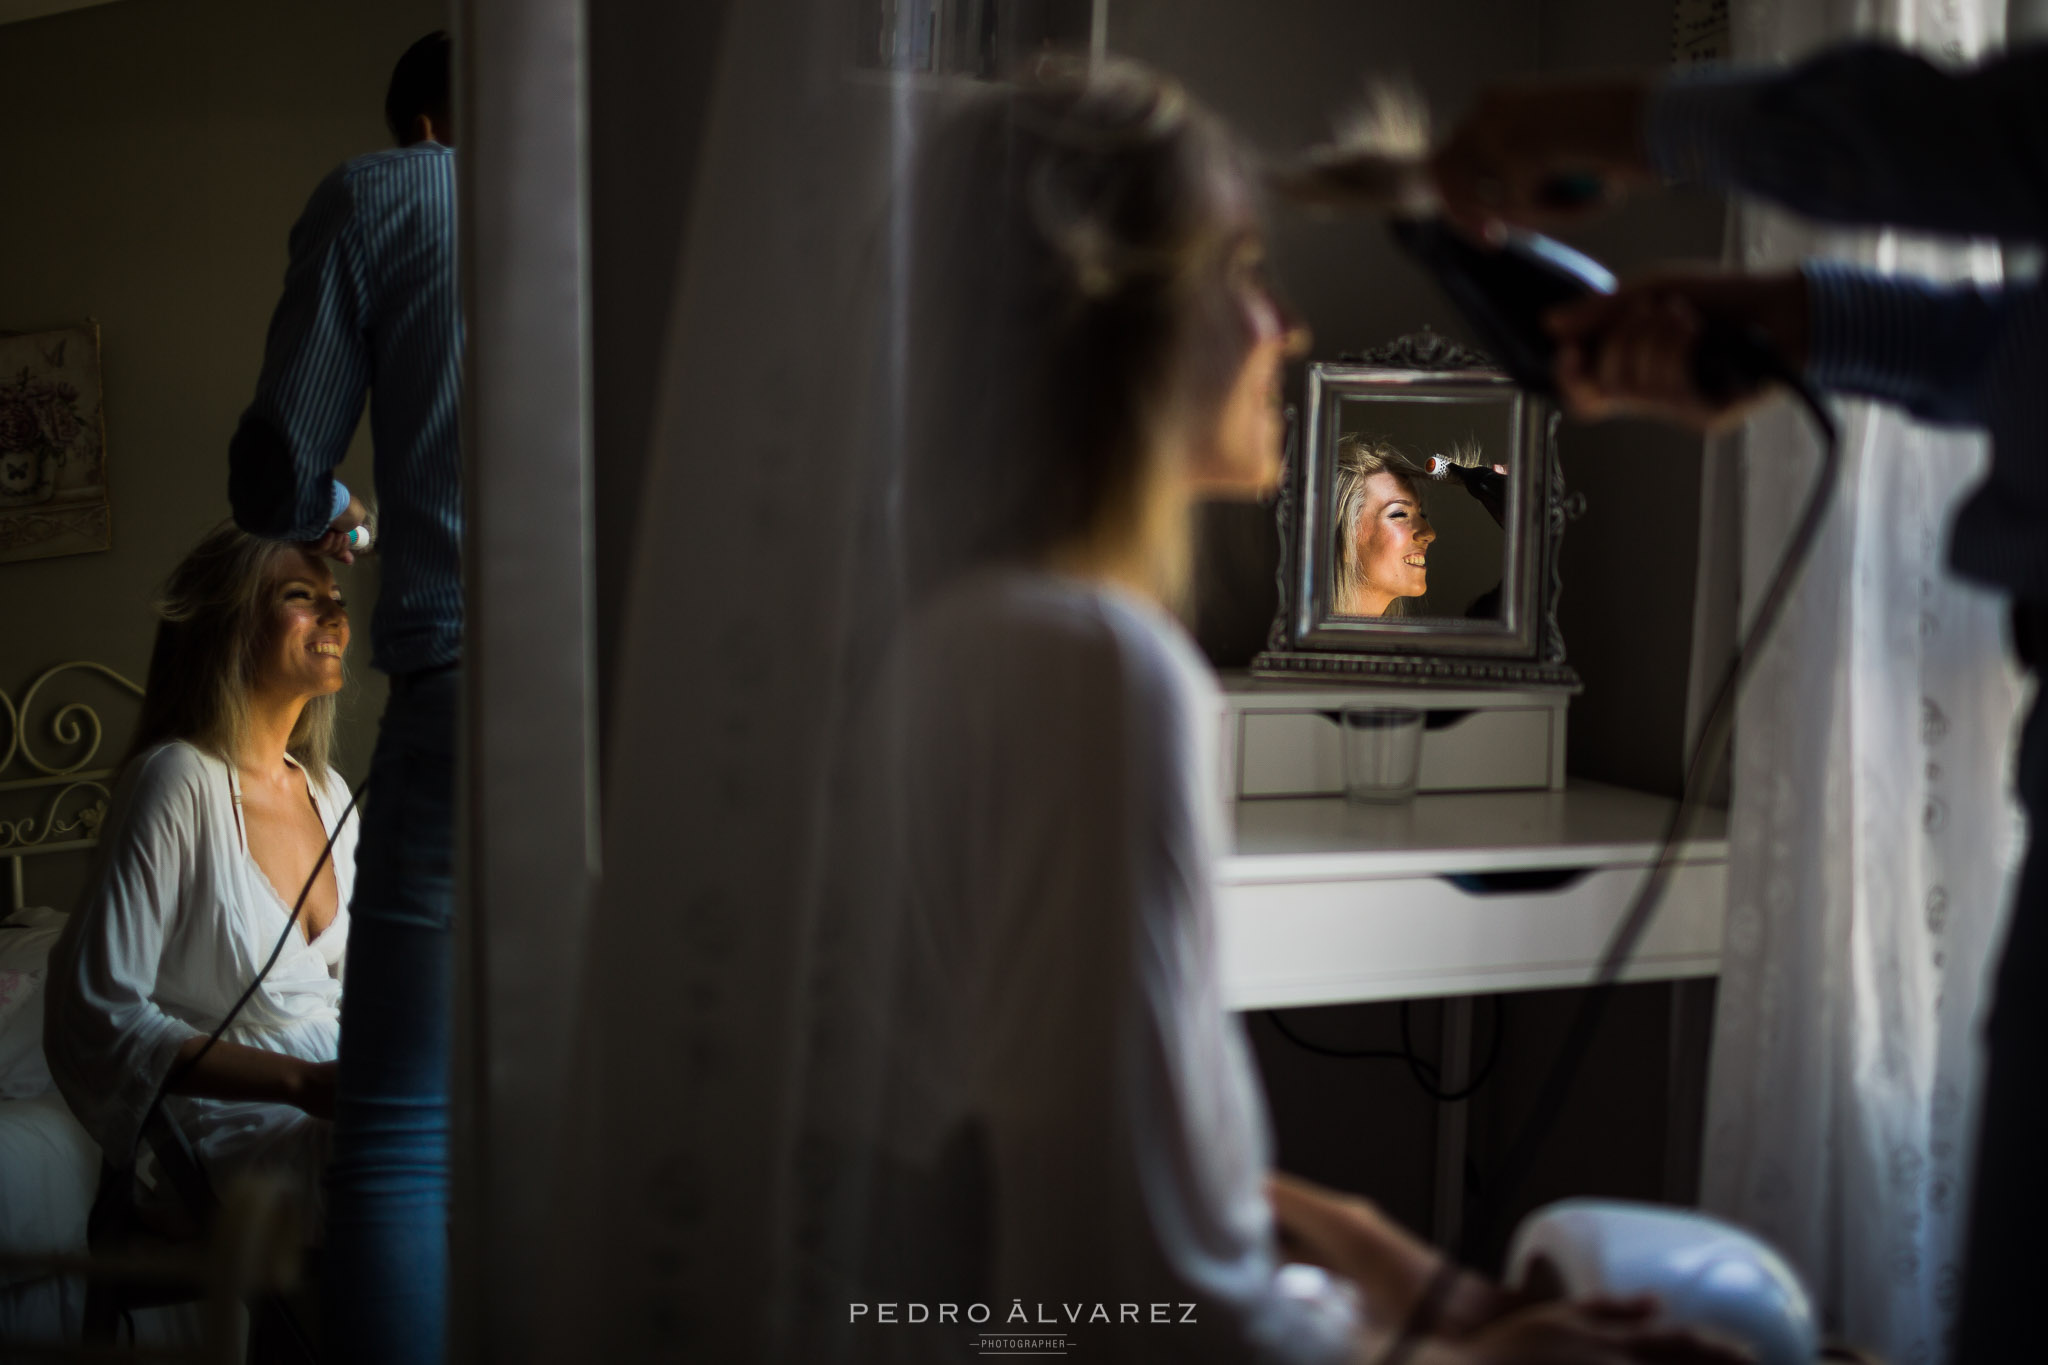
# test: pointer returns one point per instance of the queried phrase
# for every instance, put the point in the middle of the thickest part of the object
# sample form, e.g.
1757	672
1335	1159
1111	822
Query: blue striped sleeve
1690	123
1923	346
316	372
1867	135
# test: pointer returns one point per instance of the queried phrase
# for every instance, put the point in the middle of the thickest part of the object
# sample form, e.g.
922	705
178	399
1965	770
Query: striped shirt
1873	136
370	307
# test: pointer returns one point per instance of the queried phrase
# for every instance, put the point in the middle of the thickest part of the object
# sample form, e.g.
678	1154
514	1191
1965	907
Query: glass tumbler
1382	752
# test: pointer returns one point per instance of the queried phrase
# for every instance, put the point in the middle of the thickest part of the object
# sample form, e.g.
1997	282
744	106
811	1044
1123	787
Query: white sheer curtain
1873	838
764	582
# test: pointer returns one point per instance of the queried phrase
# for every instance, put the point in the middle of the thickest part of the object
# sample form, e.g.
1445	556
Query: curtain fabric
763	583
1873	840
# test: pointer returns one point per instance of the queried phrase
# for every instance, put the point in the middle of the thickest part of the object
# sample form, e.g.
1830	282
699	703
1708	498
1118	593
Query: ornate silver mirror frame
1520	646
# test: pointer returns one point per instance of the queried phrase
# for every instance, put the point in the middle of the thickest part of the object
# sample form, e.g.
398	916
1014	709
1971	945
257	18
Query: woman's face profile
305	627
1243	455
1394	537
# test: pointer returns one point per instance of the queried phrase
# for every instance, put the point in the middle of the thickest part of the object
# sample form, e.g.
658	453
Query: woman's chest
286	841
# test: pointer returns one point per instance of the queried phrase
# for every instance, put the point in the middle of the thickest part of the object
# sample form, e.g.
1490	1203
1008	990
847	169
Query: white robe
1056	990
178	920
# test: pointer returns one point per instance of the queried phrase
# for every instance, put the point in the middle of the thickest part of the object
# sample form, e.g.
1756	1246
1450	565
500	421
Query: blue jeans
386	1264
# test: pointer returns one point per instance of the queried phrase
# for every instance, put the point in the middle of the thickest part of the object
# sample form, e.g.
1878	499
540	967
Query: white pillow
26	937
29	917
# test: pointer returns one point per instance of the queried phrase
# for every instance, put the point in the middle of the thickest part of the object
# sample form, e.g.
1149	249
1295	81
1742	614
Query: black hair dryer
1504	292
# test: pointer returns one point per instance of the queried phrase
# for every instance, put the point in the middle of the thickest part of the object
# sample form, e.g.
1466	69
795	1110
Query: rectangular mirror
1419	525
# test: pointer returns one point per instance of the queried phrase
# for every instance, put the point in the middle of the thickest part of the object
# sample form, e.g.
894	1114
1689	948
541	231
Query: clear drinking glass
1382	752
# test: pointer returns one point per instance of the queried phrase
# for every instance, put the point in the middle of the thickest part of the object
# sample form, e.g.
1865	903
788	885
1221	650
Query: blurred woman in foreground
1069	1114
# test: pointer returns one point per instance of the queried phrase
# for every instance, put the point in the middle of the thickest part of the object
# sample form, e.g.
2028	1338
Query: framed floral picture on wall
53	447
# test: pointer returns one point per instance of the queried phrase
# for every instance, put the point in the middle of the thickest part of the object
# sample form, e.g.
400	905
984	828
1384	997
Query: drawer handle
1522	879
1436	718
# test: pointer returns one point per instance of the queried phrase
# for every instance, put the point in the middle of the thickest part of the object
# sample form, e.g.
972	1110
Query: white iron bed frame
48	829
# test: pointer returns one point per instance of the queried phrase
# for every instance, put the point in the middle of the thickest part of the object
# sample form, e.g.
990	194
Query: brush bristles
1330	175
1377	160
1391	121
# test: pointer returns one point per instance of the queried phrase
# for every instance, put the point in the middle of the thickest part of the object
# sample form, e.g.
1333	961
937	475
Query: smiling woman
1382	531
1419	522
219	819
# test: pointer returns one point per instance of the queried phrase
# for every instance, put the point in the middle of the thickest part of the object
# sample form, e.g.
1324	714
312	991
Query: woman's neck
268	737
1366	600
1142	547
1119	566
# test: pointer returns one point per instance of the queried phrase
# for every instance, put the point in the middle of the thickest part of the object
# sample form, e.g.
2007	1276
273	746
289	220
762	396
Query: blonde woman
218	822
1067	1115
1380	530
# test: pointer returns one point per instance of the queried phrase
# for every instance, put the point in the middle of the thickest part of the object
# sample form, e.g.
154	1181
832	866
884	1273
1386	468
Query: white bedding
52	1169
49	1166
49	1169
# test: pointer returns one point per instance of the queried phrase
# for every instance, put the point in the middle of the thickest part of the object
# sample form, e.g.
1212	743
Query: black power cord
1702	767
1429	1084
1371	1054
301	1338
1421	1069
185	1068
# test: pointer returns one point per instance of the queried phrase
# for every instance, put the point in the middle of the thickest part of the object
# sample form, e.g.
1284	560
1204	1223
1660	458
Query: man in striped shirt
371	309
1862	135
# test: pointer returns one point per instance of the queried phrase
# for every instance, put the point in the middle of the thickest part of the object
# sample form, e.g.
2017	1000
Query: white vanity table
1457	894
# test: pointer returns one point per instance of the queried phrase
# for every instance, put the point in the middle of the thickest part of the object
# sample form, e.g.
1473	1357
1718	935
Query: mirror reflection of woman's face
1393	542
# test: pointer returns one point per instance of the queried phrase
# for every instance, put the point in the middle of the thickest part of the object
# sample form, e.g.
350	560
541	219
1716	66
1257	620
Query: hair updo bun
1073	286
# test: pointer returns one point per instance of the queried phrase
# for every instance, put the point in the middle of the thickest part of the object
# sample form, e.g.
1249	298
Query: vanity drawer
1314	942
1300	753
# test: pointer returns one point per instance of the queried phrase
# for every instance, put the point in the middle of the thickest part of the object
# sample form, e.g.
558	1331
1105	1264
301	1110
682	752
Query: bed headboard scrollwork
52	800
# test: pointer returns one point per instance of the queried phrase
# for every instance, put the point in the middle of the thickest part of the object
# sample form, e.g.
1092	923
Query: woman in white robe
218	821
1065	1122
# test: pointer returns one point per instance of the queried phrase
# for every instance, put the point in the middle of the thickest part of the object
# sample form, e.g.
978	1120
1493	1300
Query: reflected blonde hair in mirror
212	624
1072	311
1358	459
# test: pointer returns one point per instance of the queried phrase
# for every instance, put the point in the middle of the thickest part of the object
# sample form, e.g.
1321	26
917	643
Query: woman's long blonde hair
1073	302
211	627
1358	459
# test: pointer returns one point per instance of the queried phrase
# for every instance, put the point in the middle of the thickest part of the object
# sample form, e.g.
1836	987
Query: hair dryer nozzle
1504	291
